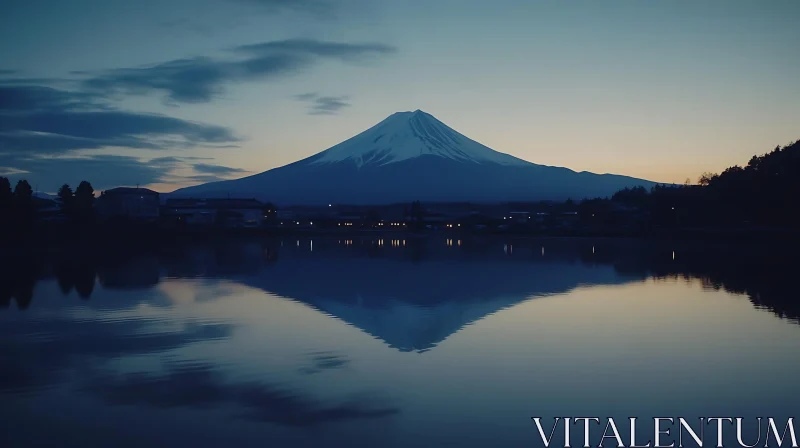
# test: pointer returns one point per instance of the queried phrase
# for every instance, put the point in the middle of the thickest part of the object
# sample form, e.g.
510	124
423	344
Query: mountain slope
407	135
413	156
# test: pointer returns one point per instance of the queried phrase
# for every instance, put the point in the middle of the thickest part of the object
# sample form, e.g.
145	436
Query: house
349	220
228	212
137	203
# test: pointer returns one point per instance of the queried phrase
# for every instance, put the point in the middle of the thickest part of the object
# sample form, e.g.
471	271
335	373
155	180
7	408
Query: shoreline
149	236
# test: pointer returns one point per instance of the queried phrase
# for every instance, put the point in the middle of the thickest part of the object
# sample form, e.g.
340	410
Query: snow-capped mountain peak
412	156
408	135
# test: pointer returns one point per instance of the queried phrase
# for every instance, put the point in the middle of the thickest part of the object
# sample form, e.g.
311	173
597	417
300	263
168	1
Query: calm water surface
441	342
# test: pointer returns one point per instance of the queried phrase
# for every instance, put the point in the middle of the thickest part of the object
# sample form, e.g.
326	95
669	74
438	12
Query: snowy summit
407	135
413	156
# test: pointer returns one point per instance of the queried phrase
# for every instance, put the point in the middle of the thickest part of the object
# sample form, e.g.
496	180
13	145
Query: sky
171	93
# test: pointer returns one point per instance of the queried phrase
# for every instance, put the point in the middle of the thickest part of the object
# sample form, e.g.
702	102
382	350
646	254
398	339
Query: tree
65	198
23	193
84	198
6	196
706	179
22	207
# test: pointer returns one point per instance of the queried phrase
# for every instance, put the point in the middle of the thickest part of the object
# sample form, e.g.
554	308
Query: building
228	212
350	220
137	203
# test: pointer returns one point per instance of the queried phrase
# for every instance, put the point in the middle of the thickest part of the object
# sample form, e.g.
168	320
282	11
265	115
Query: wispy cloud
275	6
306	96
323	105
218	170
311	47
200	79
45	132
103	171
106	171
173	160
38	120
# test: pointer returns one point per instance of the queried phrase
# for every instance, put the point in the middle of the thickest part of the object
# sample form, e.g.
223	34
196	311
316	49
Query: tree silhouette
65	279
84	276
84	199
706	178
23	192
6	204
6	196
764	192
65	198
22	208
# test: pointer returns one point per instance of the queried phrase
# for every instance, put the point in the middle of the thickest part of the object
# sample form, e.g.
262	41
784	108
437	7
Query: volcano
413	156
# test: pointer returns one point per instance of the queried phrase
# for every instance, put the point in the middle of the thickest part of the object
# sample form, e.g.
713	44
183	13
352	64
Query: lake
389	342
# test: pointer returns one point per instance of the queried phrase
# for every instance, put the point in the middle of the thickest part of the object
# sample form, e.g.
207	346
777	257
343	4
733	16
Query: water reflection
323	271
414	336
203	386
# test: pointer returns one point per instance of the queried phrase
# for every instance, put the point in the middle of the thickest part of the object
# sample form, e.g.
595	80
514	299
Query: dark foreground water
440	342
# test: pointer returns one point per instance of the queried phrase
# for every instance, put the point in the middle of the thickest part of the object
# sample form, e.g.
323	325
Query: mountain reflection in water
429	275
251	332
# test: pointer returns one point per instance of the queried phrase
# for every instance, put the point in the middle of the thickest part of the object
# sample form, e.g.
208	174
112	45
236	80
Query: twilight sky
170	93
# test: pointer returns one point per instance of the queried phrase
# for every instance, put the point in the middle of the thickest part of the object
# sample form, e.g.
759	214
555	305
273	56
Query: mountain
413	156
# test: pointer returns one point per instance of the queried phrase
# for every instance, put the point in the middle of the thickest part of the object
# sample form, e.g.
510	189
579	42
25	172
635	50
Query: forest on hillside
765	192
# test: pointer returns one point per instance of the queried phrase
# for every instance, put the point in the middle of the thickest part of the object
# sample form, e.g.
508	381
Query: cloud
337	50
4	72
306	96
105	171
323	105
328	105
173	160
60	131
275	6
102	171
42	128
200	79
217	169
197	179
32	97
44	120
